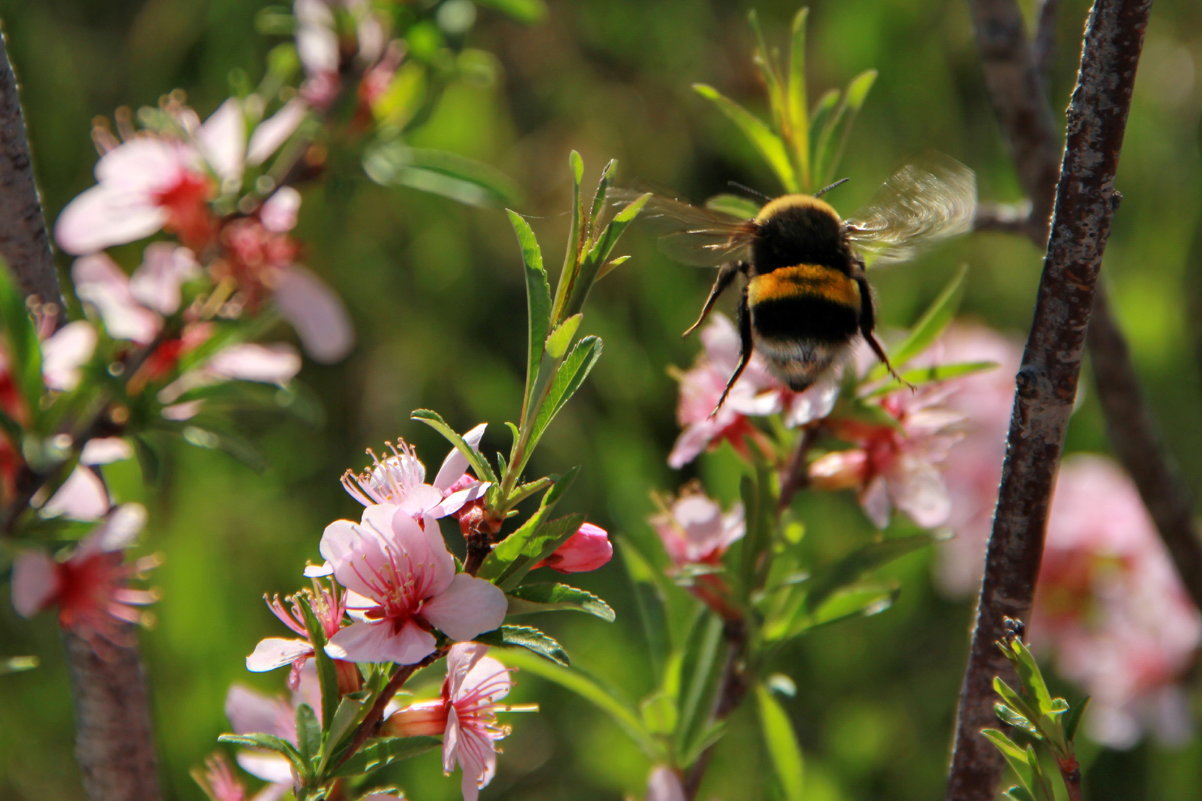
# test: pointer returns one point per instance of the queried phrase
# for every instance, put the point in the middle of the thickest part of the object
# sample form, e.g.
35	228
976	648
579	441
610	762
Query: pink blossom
220	784
757	393
90	587
895	465
694	530
328	606
327	57
133	307
400	480
588	549
465	715
1112	609
402	584
252	712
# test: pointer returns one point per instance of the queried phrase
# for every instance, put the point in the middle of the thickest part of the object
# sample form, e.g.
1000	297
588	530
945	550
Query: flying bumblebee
805	297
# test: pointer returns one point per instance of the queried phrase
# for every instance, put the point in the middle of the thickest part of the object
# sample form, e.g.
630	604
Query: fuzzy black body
805	300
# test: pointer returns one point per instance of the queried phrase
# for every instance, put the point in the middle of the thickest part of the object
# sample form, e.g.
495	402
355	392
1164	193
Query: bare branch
114	743
24	243
1047	380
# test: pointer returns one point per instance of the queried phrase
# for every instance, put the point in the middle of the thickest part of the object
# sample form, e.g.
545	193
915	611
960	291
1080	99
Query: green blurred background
436	292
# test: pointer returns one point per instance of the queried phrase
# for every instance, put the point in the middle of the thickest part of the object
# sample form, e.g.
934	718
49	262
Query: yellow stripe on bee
783	202
804	279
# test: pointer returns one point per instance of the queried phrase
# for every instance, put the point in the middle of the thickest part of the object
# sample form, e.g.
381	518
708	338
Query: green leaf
345	718
760	135
848	569
205	433
1074	718
700	669
439	172
559	339
1016	719
379	753
271	743
605	698
23	349
527	11
517	554
920	376
538	306
528	637
649	587
781	741
835	128
798	104
598	254
308	732
326	672
530	598
18	664
567	380
658	713
932	323
734	205
479	464
599	196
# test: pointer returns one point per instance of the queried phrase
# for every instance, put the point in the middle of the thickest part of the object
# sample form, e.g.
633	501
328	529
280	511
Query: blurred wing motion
921	203
692	234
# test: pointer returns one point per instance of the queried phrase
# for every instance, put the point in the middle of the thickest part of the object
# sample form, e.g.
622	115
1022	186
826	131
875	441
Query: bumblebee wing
692	234
923	202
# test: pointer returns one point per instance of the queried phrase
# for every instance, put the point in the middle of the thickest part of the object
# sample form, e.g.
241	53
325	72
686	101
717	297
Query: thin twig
1047	380
24	243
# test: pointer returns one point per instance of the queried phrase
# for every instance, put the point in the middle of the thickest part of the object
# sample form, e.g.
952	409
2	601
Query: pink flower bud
587	549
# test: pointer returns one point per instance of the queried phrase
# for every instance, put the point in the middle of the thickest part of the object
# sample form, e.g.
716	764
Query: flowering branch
1047	381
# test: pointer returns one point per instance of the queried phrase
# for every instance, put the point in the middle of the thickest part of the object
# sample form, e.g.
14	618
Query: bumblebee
805	296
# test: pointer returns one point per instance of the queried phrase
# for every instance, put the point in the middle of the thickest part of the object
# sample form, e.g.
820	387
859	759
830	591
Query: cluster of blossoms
1110	610
395	594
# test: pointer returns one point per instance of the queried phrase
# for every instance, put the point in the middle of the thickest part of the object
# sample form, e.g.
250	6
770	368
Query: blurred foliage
436	289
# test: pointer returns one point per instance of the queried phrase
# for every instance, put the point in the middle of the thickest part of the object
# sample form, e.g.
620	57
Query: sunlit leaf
439	172
760	135
384	751
530	598
932	323
783	749
527	11
528	637
479	464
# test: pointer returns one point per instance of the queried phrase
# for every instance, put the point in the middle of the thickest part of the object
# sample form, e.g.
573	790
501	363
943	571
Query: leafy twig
1047	381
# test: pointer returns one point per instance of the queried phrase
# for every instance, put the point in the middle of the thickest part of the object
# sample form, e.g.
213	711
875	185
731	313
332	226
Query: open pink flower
400	480
695	531
895	466
757	393
402	584
588	549
465	716
252	712
89	588
329	607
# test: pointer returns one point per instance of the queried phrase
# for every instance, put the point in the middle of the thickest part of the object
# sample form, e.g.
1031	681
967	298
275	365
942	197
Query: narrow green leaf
384	751
570	272
848	569
1074	718
835	128
1016	719
932	323
538	307
530	598
271	743
439	172
18	664
1020	794
308	732
765	59
734	205
1015	756
658	712
559	339
920	376
760	135
528	637
598	254
798	103
517	554
23	349
598	206
344	720
1030	675
605	698
476	459
700	672
567	380
527	11
781	741
326	673
205	433
649	589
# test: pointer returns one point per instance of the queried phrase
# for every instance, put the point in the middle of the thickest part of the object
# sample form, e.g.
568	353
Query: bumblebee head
799	229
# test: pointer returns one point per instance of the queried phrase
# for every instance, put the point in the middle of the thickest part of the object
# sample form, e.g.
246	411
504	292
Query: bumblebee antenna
829	187
750	191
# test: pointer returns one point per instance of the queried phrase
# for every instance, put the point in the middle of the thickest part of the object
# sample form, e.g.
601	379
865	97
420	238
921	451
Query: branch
114	744
24	243
1047	380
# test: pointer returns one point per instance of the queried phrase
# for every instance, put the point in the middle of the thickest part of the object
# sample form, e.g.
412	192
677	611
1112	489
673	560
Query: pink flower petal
250	712
35	582
316	313
82	496
269	364
455	465
266	765
470	606
222	140
274	131
100	282
156	283
65	352
279	211
353	550
376	642
105	450
275	652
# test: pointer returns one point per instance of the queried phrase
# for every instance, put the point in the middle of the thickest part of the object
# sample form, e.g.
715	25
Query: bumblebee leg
868	323
745	355
726	274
